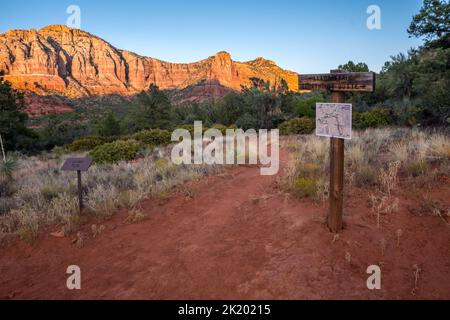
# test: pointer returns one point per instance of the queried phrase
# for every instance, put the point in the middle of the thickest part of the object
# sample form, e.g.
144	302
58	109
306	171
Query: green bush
220	127
153	137
307	107
190	128
86	143
302	125
374	118
115	151
305	187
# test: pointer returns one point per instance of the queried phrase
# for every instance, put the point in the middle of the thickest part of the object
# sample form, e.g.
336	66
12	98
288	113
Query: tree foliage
432	23
109	126
13	129
352	67
151	110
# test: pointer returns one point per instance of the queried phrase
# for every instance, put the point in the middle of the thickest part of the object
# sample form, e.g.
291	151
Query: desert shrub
220	127
103	200
375	118
354	155
439	146
115	151
417	168
399	152
312	170
7	167
365	175
165	167
305	187
50	190
297	126
86	143
190	128
28	222
64	209
7	188
388	177
7	204
153	137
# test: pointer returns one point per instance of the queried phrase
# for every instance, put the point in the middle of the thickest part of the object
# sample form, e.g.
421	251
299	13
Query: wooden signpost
78	165
338	82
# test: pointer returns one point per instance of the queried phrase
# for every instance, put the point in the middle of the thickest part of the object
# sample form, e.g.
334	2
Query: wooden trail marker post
78	165
334	121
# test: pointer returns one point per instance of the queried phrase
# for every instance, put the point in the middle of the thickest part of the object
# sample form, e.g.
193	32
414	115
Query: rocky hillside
60	60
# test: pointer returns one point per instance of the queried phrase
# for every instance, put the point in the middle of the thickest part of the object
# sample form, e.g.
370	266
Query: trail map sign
338	81
334	120
78	165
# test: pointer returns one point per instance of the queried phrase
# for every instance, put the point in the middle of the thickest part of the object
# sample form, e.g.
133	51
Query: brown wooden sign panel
350	81
76	164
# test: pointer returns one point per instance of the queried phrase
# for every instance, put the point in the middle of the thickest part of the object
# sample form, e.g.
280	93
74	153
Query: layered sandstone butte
74	63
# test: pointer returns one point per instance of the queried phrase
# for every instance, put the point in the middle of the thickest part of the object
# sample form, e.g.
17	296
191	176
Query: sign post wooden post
80	191
78	165
338	82
336	188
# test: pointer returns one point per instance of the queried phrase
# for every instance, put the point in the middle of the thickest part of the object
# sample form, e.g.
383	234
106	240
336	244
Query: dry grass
374	158
44	195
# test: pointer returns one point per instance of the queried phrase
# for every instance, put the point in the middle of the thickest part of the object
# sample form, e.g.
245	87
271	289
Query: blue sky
305	36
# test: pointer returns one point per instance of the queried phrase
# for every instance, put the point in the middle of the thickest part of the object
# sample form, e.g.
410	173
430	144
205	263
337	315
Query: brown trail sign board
78	165
338	83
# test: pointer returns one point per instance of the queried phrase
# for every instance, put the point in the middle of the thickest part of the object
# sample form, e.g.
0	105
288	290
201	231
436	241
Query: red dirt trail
240	237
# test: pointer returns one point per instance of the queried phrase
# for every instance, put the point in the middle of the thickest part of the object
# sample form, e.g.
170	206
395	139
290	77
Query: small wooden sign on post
78	165
334	120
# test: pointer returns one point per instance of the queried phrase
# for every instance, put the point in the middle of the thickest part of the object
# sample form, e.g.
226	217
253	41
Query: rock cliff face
74	63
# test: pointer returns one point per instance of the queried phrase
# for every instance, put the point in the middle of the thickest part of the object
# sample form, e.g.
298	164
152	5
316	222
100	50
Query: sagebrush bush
87	143
305	187
220	127
7	204
375	118
27	222
153	137
7	188
365	175
302	125
190	128
418	168
120	150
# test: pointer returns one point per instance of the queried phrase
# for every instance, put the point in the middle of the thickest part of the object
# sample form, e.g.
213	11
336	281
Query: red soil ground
240	237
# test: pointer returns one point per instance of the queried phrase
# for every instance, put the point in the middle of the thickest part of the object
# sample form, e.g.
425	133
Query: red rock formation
74	63
36	106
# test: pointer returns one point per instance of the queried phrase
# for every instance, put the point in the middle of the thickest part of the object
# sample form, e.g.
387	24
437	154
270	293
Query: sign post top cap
76	164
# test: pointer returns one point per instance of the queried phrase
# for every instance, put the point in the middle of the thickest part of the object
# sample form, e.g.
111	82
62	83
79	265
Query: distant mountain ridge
59	60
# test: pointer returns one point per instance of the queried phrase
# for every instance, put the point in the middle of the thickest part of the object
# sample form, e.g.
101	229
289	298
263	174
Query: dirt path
237	237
